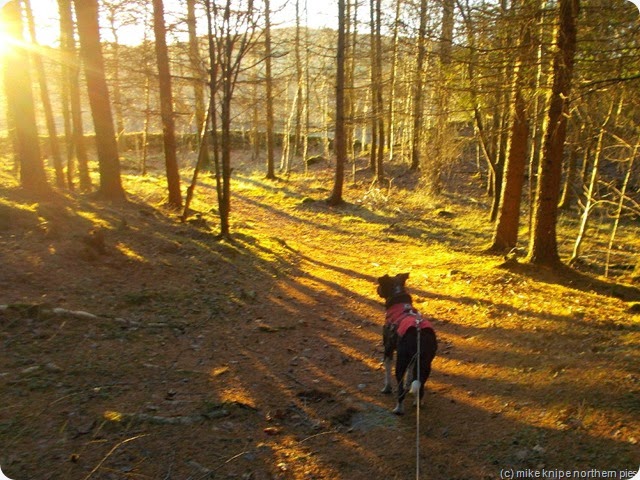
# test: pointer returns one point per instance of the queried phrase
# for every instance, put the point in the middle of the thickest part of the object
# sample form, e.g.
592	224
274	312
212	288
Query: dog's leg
428	349
389	339
403	361
387	375
407	364
401	368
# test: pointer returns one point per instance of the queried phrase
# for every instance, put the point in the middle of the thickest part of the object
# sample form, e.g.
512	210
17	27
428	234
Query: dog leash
418	321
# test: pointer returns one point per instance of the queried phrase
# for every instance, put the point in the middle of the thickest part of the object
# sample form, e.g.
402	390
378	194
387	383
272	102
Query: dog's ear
383	286
402	277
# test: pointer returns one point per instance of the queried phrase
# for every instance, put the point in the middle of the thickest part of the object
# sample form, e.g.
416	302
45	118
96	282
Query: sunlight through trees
435	87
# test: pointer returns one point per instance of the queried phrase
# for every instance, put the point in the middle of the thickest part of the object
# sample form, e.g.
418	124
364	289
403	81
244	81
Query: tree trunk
590	200
568	193
287	151
65	94
200	162
377	103
339	139
442	141
538	107
20	105
378	98
501	110
418	107
623	192
115	77
66	119
166	106
71	72
54	145
299	84
269	92
307	97
351	99
225	140
326	143
228	44
91	53
199	74
373	150
146	124
394	82
508	220
484	144
543	247
213	90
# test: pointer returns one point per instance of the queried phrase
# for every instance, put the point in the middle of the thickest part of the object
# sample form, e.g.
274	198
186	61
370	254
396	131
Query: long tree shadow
257	361
571	278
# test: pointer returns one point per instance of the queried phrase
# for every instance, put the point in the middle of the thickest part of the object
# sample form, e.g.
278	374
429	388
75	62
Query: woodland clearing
151	350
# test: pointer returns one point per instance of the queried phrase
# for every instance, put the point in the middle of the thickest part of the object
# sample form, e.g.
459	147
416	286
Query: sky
321	14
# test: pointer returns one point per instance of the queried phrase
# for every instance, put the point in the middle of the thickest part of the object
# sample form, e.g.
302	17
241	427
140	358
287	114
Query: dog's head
389	287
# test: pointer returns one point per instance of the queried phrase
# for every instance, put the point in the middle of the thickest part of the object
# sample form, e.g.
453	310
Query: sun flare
6	40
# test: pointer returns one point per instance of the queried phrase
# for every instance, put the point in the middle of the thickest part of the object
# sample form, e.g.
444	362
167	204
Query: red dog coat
404	316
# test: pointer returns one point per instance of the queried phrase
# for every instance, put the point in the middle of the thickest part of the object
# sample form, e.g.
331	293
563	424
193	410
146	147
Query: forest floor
164	353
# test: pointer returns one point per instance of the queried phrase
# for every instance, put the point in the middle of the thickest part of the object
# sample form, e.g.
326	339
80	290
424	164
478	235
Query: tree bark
231	36
508	220
54	144
115	75
199	74
543	247
391	140
269	92
623	192
418	88
20	104
339	139
300	84
71	71
377	101
590	200
91	53
568	190
166	106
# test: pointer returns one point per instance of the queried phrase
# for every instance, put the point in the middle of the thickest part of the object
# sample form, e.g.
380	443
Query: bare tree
113	9
590	200
198	71
54	145
20	105
543	247
377	103
99	99
508	220
269	91
340	139
418	90
166	106
74	129
232	31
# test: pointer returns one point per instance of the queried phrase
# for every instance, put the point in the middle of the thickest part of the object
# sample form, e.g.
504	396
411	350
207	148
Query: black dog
400	332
